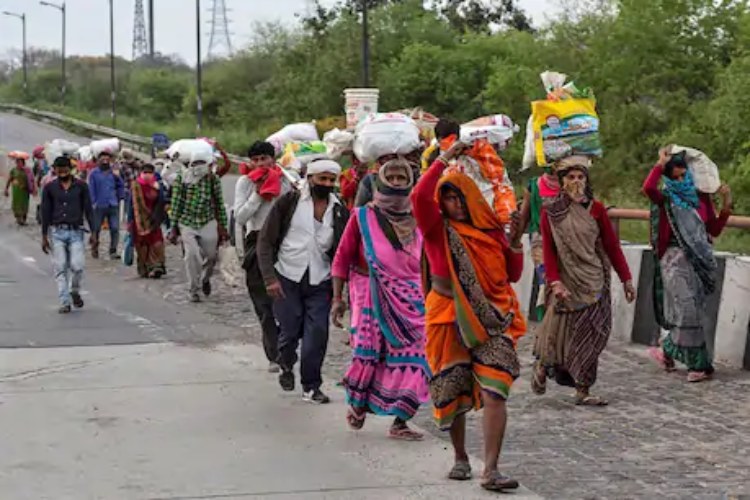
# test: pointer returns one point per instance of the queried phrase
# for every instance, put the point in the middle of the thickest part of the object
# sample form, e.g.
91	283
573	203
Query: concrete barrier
727	319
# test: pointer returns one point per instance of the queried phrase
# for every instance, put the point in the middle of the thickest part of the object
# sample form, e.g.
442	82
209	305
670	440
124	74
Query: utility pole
63	81
140	41
198	68
22	17
365	47
112	62
151	29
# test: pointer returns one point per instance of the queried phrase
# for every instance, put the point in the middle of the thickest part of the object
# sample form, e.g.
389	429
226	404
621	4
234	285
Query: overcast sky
88	23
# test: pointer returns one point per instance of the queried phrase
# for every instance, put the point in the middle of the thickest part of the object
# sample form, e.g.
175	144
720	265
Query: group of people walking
423	264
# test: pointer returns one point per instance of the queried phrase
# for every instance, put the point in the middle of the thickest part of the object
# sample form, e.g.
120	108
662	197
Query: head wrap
127	155
393	206
682	193
573	161
323	167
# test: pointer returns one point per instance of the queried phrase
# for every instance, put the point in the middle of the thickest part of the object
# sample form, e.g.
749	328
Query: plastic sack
564	128
298	154
19	155
296	132
385	134
705	172
59	147
187	151
338	142
529	147
111	146
425	121
496	129
85	154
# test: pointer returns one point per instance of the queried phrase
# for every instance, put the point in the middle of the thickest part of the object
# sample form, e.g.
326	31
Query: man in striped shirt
199	216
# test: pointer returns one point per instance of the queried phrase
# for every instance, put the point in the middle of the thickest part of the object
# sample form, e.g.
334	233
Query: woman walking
683	221
21	182
380	254
580	246
147	212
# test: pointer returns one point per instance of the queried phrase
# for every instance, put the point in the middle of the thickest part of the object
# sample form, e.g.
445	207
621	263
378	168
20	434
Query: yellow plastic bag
564	128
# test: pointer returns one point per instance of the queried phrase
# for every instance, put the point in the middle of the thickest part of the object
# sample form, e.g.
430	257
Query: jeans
68	259
112	214
201	253
303	315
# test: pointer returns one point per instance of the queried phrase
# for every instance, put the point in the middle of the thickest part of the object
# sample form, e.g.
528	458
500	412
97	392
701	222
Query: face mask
104	166
64	178
576	189
321	192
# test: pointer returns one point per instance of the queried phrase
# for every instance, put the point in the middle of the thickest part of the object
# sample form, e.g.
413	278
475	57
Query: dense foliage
663	71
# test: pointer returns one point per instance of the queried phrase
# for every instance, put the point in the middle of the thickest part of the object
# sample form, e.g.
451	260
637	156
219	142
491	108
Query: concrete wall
727	319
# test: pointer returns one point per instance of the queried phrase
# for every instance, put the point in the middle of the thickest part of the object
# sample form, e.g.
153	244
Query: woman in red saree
146	217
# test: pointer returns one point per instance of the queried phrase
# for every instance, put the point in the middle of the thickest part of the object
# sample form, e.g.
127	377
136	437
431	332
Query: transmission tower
140	41
220	42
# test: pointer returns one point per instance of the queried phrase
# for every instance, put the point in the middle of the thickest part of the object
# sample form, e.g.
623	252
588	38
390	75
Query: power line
140	40
220	42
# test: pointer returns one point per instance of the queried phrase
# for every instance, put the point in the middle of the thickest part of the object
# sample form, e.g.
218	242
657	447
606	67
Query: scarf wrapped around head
393	204
682	193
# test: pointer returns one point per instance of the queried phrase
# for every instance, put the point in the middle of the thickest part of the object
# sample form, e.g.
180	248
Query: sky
88	23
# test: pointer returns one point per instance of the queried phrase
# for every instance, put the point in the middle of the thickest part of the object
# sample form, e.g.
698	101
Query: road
659	438
17	132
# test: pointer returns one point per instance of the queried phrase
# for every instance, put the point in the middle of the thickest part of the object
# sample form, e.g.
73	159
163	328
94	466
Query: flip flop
657	354
498	482
694	377
405	434
461	471
355	420
591	401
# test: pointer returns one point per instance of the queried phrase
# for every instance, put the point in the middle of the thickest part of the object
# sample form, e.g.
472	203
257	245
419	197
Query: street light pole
112	62
365	47
151	48
22	17
63	82
198	68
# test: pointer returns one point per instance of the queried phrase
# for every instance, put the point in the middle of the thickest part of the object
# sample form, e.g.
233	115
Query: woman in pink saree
388	374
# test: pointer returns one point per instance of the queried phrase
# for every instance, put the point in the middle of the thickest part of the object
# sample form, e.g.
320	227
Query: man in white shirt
254	194
295	249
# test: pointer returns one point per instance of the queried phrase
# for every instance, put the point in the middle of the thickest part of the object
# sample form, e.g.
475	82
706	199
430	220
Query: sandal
657	354
694	377
498	482
461	471
404	433
355	420
591	401
538	380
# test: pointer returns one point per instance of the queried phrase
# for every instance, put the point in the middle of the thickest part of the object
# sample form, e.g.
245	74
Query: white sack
705	172
385	134
112	146
296	132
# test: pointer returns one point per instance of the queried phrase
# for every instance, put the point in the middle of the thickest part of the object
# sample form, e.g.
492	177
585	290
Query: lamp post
198	68
113	94
63	84
365	47
22	17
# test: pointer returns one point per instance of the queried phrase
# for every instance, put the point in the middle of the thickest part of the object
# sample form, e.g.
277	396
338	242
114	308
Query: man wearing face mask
198	215
65	203
107	189
295	249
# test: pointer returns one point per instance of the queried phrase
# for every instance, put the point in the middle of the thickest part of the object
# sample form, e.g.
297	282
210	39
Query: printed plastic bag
496	129
563	128
298	154
296	132
112	146
338	142
705	172
385	134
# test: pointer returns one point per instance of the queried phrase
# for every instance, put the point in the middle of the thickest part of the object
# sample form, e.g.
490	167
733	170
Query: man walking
106	191
199	216
65	202
255	193
295	248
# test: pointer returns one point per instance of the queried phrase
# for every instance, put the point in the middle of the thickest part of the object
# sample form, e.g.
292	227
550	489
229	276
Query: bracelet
442	159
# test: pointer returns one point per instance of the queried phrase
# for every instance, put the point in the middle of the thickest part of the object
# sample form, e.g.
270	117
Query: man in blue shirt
106	190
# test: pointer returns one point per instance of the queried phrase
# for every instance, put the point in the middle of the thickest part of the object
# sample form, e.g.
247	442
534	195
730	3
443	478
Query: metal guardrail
618	214
132	141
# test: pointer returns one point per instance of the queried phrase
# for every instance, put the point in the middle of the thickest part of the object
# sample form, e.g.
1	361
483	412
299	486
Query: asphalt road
17	132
